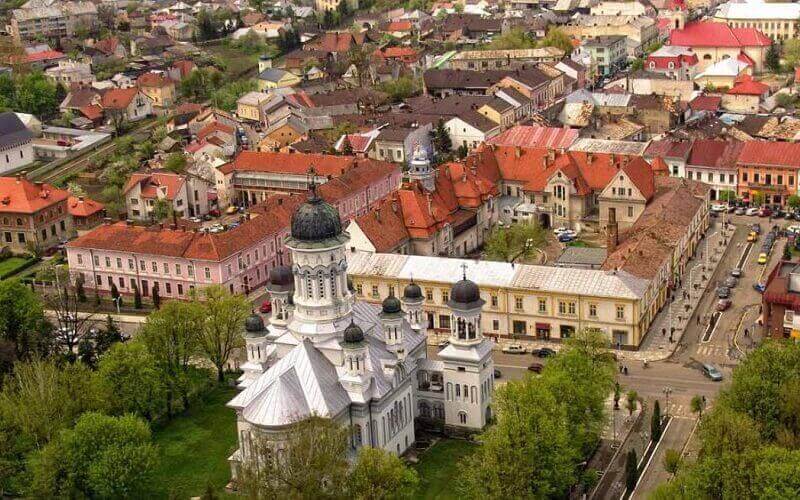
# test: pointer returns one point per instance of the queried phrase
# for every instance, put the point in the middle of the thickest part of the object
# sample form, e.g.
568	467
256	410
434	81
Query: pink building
177	260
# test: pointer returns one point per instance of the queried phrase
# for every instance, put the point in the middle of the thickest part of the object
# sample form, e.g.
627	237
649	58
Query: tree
793	201
23	329
785	99
378	474
327	19
558	39
515	38
156	297
528	453
347	148
521	240
401	88
171	337
107	15
727	195
313	463
36	95
773	59
162	209
129	382
655	422
102	456
757	198
137	297
462	151
631	403
343	9
62	300
176	162
631	470
223	327
791	52
617	395
441	139
672	461
787	252
79	290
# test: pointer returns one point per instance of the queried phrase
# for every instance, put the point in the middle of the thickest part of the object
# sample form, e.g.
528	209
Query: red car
764	212
266	307
723	304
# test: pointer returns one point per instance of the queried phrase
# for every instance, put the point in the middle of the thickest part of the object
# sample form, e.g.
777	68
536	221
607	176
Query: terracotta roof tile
769	153
83	207
289	163
19	195
384	226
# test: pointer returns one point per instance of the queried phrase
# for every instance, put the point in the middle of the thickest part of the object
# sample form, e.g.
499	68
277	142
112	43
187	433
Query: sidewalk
657	344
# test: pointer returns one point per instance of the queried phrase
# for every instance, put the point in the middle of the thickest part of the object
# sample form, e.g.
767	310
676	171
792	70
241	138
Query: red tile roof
92	112
711	34
184	67
747	86
289	163
536	137
767	153
107	46
716	154
151	183
83	207
399	26
384	226
659	166
668	148
19	195
44	55
212	128
118	98
154	80
706	103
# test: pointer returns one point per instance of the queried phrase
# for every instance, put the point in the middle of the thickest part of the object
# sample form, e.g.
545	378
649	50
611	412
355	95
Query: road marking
705	340
647	466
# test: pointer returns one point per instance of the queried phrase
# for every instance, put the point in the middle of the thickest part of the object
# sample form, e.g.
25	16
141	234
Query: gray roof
272	74
585	256
13	131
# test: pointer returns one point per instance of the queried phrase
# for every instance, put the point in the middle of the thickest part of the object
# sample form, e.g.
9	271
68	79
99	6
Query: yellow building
779	21
274	78
248	107
524	302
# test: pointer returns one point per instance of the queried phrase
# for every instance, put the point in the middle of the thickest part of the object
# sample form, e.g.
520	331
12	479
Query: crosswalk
710	350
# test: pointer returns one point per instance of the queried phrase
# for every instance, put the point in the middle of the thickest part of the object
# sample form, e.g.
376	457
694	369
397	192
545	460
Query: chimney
551	155
106	220
612	231
378	214
80	199
517	151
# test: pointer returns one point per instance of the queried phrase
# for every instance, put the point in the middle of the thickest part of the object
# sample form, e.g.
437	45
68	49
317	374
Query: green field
11	263
438	467
194	448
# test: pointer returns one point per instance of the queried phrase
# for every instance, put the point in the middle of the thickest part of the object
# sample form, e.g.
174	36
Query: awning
542	326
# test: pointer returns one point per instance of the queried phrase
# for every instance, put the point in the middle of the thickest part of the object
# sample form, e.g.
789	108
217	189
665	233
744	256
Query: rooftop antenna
464	269
312	184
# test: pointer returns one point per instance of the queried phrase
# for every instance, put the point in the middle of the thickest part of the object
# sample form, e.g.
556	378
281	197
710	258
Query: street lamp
667	392
117	301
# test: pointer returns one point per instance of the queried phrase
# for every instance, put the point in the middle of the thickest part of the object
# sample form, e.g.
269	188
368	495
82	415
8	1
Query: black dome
391	305
465	293
281	279
412	291
353	334
254	323
315	220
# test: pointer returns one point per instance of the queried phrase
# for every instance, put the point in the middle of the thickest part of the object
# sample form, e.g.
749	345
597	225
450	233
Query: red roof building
32	214
745	85
86	213
769	168
712	42
536	137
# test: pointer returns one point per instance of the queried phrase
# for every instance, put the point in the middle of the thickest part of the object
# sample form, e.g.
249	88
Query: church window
321	283
462	417
466	392
309	287
473	395
357	439
471	329
458	390
333	285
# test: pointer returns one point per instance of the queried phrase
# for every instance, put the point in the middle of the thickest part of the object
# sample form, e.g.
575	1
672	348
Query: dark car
723	292
756	228
731	282
723	304
536	367
759	287
544	352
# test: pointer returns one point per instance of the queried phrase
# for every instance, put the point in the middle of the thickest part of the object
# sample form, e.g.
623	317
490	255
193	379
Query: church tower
412	305
258	348
355	378
420	169
468	367
392	323
322	300
280	288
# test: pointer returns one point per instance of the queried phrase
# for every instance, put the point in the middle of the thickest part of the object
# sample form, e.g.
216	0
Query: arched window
473	395
321	284
357	439
424	409
462	417
471	328
449	393
309	286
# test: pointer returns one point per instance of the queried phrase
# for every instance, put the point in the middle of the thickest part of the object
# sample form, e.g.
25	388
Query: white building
326	354
16	147
71	72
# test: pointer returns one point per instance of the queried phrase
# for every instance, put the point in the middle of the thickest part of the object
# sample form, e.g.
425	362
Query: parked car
543	352
794	229
443	344
756	228
712	372
759	287
266	307
514	349
214	212
723	292
740	211
718	207
723	304
736	272
231	209
762	258
565	238
536	367
731	282
764	212
751	211
752	237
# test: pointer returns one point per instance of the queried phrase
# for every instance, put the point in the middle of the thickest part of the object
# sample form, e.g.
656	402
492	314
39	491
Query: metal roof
607	146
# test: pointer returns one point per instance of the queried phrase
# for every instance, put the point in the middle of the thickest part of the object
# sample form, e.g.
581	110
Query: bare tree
223	328
63	302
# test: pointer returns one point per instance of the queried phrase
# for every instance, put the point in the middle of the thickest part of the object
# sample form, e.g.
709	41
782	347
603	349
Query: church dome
315	220
465	294
412	291
391	305
353	334
281	278
254	324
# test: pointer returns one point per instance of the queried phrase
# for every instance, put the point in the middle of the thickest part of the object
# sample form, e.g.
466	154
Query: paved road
674	438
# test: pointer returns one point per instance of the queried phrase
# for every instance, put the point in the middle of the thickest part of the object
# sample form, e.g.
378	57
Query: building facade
33	215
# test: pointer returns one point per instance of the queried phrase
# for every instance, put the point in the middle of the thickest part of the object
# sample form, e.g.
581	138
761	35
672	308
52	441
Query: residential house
674	61
639	31
769	170
86	213
283	132
274	78
159	87
745	96
396	144
499	59
249	106
32	214
610	52
16	148
715	163
673	152
658	114
185	195
526	136
723	74
126	104
50	20
780	302
69	72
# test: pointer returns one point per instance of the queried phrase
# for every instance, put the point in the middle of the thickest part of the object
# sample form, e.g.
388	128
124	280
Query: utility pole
667	392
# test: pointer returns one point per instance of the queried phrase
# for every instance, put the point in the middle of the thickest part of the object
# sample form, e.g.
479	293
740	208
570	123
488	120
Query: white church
325	354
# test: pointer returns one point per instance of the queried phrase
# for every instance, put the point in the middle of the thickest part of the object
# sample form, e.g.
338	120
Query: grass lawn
11	263
194	448
437	467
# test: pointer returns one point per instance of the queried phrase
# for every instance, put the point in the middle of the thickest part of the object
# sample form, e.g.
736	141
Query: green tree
129	381
655	422
162	209
347	148
313	463
672	461
401	88
757	198
176	162
223	327
773	59
441	139
791	52
156	296
785	99
528	453
617	394
631	402
631	470
171	336
102	457
137	297
793	201
23	329
378	474
558	39
36	95
515	38
727	195
698	405
521	240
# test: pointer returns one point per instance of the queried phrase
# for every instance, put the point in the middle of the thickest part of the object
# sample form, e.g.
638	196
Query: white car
719	208
751	211
514	349
793	229
559	230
